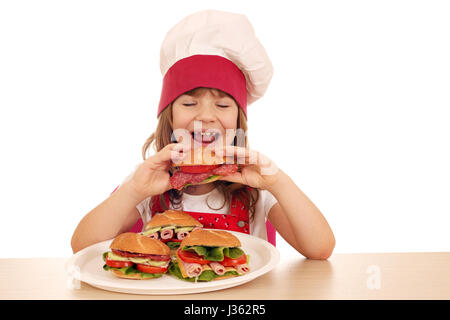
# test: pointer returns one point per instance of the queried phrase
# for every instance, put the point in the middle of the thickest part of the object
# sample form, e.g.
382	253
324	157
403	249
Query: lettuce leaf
201	251
216	253
233	253
204	181
125	270
173	245
150	275
210	178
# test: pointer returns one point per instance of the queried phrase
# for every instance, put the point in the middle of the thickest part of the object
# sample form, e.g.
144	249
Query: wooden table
343	276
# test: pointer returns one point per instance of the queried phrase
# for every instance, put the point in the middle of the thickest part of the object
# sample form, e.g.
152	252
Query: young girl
213	67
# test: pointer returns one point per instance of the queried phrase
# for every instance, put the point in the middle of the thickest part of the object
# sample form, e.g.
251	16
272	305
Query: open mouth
206	137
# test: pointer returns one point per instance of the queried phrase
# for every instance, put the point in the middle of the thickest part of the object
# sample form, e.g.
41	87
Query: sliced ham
192	269
217	268
182	234
242	268
154	235
166	234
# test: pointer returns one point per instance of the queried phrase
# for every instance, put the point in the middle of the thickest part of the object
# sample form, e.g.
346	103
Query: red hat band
209	71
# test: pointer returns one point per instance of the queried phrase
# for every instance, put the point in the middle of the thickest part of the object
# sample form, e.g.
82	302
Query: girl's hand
151	177
258	171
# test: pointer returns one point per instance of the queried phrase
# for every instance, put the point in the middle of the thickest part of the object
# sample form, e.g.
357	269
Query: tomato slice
197	169
150	269
170	240
191	257
118	264
228	262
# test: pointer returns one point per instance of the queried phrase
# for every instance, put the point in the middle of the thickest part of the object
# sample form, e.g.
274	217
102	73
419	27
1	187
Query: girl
213	66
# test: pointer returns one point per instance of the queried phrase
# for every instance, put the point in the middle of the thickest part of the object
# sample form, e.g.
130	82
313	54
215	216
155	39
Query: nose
206	113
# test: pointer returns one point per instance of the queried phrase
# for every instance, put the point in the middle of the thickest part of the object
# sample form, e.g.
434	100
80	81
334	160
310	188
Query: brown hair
162	137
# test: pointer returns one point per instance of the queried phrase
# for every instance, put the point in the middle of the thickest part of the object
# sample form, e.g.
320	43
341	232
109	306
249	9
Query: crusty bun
134	242
134	276
200	156
172	217
213	238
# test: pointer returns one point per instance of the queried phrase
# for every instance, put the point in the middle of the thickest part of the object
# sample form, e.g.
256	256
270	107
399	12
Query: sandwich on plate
134	256
171	227
200	166
206	255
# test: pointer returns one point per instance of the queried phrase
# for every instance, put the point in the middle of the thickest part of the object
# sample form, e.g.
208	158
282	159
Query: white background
357	113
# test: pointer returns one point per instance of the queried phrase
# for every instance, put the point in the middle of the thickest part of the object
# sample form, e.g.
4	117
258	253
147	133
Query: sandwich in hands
206	255
171	227
134	256
200	166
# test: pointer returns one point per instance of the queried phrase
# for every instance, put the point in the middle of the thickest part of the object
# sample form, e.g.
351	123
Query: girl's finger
230	151
239	155
178	147
179	152
171	152
251	157
235	177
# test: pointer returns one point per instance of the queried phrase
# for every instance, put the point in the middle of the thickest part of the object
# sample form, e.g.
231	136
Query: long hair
162	137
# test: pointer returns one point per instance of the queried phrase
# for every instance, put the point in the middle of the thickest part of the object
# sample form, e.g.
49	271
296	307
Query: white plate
87	266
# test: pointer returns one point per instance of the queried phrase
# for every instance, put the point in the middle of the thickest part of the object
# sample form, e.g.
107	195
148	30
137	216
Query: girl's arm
118	213
299	221
295	217
115	215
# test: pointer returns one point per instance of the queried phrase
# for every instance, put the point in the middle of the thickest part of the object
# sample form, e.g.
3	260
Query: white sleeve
144	210
268	200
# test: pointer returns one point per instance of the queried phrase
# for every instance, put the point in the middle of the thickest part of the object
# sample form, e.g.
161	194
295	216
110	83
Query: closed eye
193	104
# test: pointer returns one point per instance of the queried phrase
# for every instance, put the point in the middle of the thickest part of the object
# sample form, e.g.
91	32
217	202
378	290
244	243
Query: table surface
342	276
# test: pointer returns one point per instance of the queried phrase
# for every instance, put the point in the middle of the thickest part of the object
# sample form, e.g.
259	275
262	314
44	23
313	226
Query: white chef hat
214	49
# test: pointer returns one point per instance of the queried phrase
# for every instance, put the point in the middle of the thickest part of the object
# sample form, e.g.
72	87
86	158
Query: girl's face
206	112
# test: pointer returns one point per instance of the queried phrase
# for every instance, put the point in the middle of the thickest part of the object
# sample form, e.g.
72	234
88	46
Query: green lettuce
215	253
210	178
173	244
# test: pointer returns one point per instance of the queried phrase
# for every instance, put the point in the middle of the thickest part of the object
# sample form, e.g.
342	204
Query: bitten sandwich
171	227
200	166
206	255
134	256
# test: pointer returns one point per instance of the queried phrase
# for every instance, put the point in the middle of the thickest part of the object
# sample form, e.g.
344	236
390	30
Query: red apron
237	220
213	220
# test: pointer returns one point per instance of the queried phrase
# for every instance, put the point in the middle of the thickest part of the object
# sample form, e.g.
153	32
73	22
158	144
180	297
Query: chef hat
214	49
